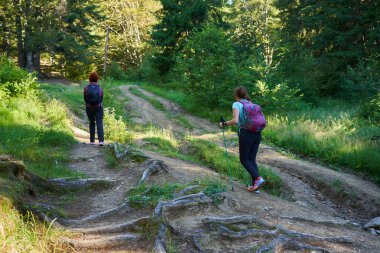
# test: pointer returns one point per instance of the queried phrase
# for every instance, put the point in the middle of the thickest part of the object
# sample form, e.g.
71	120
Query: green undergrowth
331	132
146	195
36	131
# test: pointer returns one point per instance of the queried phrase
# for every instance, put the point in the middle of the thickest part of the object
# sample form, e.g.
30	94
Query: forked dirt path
310	184
311	219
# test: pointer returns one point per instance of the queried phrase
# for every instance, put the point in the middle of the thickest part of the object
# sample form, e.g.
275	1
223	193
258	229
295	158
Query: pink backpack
253	117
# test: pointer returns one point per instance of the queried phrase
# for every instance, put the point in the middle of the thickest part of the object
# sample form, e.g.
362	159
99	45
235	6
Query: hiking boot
101	143
259	182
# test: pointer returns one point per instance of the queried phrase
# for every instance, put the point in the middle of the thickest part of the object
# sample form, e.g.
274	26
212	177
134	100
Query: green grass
145	195
39	134
149	195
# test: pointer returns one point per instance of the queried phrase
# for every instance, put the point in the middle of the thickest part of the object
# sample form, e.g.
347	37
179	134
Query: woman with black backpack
251	122
93	96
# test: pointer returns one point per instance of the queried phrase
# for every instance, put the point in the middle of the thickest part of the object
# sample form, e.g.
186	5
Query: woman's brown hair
93	77
241	92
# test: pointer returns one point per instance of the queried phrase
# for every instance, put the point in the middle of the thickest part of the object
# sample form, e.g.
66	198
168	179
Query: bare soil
321	205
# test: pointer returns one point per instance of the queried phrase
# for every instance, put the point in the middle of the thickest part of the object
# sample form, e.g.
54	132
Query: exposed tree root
127	150
284	243
282	238
159	244
324	222
197	241
97	216
108	242
122	154
80	183
192	199
153	167
12	167
185	191
243	219
118	228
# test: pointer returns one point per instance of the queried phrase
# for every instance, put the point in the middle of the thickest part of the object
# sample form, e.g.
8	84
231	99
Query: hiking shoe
251	189
259	182
101	143
92	143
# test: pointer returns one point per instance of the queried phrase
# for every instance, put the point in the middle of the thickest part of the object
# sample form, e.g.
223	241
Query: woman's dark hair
93	77
241	92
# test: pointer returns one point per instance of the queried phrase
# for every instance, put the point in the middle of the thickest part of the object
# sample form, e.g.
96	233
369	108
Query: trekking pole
226	153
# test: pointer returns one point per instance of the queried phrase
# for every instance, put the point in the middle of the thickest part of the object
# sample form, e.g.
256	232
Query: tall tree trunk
6	36
20	45
37	62
106	52
28	33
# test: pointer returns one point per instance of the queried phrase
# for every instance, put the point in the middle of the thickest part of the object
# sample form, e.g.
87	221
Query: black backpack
93	95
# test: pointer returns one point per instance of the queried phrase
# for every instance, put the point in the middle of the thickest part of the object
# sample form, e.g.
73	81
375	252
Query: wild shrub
15	81
280	98
371	110
114	128
114	70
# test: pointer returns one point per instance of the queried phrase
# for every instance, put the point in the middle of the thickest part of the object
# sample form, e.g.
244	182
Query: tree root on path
97	216
186	190
323	222
243	219
79	183
122	154
159	244
118	228
188	200
282	238
127	150
153	167
101	243
284	243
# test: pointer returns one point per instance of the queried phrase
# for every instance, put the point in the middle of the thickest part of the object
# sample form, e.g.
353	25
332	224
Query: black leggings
248	146
95	115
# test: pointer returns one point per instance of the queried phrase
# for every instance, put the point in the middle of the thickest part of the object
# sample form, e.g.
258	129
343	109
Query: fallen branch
159	244
118	228
101	243
153	167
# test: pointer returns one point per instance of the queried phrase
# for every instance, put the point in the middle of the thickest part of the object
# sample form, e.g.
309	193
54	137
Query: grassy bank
36	131
330	132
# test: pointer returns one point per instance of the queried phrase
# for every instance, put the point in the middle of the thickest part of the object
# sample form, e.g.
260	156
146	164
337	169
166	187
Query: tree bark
20	45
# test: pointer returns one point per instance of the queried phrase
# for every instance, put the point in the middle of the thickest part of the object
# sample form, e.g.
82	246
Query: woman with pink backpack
250	121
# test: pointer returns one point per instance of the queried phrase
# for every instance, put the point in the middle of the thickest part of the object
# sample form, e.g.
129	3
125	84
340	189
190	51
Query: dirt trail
311	184
313	219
